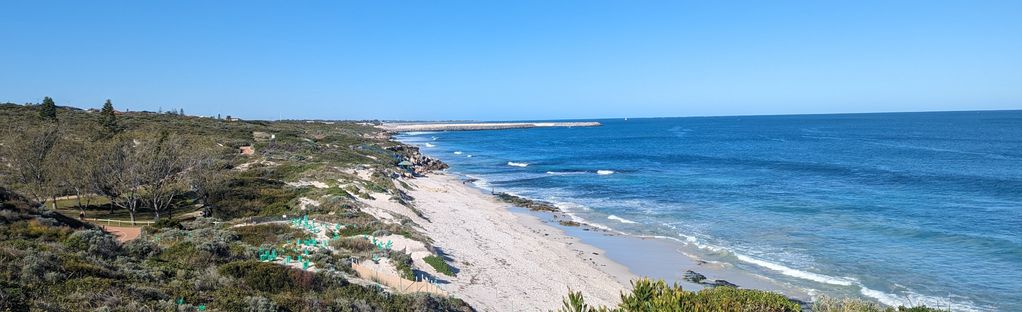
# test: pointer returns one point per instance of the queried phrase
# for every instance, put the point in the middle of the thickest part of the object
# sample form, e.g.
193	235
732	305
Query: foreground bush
648	295
827	304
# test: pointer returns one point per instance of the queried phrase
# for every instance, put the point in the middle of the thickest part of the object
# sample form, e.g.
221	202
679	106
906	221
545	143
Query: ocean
901	208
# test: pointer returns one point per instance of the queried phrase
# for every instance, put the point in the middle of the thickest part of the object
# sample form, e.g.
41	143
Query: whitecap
820	278
563	172
604	172
430	145
914	299
469	156
620	219
517	164
457	153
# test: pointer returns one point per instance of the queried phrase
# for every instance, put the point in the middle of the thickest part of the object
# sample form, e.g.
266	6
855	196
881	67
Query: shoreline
406	127
506	259
675	256
597	262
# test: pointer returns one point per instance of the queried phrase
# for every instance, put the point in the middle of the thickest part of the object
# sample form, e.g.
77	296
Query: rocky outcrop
694	277
420	164
697	278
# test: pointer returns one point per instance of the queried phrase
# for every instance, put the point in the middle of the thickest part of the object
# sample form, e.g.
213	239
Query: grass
439	264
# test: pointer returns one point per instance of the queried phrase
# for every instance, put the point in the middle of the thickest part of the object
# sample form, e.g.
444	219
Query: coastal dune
508	261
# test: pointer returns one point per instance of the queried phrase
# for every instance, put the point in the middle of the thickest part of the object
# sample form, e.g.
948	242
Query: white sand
508	261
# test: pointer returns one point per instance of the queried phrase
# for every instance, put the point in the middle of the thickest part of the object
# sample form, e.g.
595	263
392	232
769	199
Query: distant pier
404	127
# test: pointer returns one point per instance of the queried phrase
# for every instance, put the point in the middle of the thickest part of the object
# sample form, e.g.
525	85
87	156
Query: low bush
828	304
648	295
273	233
439	264
403	262
271	277
353	244
93	242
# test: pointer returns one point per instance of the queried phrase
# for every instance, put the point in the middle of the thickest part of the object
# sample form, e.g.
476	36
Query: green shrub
167	222
403	262
93	242
828	304
439	264
271	277
648	295
257	235
353	244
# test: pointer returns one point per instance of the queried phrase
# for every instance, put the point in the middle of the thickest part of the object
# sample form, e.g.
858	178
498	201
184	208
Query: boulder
694	277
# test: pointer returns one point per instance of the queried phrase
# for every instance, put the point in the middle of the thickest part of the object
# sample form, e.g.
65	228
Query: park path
123	233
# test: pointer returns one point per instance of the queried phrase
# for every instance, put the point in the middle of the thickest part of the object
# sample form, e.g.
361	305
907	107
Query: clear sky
513	60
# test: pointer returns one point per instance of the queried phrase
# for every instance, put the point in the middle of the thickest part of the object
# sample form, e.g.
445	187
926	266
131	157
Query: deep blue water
900	207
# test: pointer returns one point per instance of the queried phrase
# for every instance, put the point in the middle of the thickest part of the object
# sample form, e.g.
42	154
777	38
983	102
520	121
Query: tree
109	168
48	110
72	168
109	118
208	178
29	161
161	162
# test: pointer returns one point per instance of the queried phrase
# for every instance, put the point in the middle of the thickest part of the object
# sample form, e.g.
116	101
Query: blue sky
514	60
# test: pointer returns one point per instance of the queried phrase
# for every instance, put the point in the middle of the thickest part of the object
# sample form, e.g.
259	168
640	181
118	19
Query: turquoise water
903	208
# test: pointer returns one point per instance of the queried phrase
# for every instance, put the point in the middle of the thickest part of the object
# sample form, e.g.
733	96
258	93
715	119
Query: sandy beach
509	261
509	258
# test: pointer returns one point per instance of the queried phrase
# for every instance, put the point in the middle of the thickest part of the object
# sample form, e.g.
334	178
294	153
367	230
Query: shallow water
903	208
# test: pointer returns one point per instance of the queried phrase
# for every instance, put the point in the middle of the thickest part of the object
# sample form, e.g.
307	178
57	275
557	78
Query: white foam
820	278
469	156
620	219
604	172
563	172
415	133
479	182
430	145
457	153
912	299
517	164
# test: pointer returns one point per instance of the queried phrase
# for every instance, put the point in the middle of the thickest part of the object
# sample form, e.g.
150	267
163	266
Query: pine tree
48	110
109	118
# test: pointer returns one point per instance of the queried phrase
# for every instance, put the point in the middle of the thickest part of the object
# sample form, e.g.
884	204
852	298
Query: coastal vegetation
439	264
649	295
207	197
235	215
